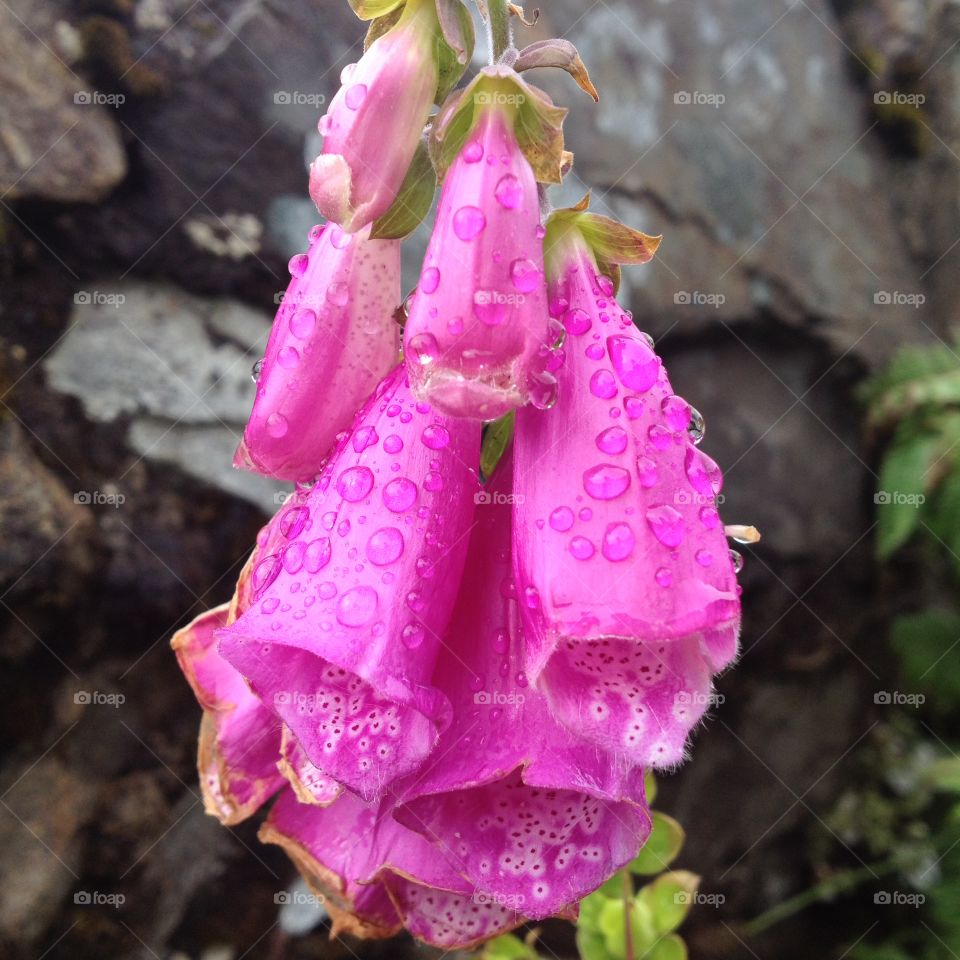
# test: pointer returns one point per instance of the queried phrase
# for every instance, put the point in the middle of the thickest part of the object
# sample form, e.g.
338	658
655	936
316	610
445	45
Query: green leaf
591	943
944	775
650	787
661	849
496	439
924	643
371	9
508	947
613	926
669	948
669	899
454	45
944	520
902	480
413	201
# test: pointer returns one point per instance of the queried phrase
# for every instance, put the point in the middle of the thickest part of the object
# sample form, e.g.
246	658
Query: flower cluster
447	691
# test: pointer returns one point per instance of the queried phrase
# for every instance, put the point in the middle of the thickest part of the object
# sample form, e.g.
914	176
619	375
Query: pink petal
631	597
536	817
374	124
333	340
479	317
239	737
355	583
309	782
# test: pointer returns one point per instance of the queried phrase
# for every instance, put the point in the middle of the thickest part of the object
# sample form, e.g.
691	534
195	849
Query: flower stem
831	887
627	881
501	30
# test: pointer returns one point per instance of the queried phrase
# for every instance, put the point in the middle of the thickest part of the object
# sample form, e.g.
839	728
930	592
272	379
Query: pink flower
531	813
375	122
626	583
353	585
479	317
333	340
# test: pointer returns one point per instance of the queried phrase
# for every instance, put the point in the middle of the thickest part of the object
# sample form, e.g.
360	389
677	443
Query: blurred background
801	158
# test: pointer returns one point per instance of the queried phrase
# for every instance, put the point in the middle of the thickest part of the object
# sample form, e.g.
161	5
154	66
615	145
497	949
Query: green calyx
574	232
537	122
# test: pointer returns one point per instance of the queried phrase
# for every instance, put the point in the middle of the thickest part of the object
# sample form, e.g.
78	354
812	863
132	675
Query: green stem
627	881
832	886
501	29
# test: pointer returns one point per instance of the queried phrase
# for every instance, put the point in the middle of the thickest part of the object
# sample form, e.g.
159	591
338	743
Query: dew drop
659	436
647	472
709	517
355	96
606	286
613	440
385	546
469	222
365	437
430	280
339	238
500	641
618	542
704	558
676	411
298	265
317	554
581	548
736	558
667	525
293	521
357	606
288	358
698	426
473	152
605	481
663	577
704	475
399	495
393	444
561	519
264	573
509	192
577	322
277	425
338	294
636	364
435	437
525	275
412	635
355	484
603	385
423	348
256	370
544	391
531	597
303	323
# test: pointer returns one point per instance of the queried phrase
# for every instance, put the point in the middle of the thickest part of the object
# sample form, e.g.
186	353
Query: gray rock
57	138
178	366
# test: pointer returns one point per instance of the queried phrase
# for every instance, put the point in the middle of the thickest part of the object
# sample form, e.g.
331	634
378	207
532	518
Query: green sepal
455	45
537	122
380	25
661	849
413	200
669	899
372	9
496	439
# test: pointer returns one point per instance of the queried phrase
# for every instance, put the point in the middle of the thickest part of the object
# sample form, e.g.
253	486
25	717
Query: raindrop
605	481
357	606
635	362
469	222
667	525
356	95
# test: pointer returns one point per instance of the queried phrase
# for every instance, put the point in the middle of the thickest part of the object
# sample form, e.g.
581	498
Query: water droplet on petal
412	635
385	546
605	481
473	152
736	558
667	525
676	411
704	475
338	294
264	573
469	222
288	358
709	517
613	440
357	606
364	437
490	307
435	437
339	238
298	265
256	370
698	426
531	597
647	472
355	96
606	286
664	577
317	555
704	558
355	484
582	548
636	364
618	542
659	436
430	280
316	231
423	348
303	323
525	275
346	73
633	407
544	391
561	519
293	521
603	385
577	322
277	425
399	495
393	444
509	192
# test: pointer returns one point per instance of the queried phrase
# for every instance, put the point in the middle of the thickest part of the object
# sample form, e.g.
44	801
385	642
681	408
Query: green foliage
924	643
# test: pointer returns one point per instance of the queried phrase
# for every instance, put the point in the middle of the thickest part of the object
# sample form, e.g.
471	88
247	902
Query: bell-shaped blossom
376	120
354	584
239	737
333	340
479	318
626	583
533	815
376	876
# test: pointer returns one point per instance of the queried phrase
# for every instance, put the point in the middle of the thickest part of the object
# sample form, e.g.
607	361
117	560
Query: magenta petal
535	817
309	782
479	317
374	123
239	737
631	596
354	586
333	340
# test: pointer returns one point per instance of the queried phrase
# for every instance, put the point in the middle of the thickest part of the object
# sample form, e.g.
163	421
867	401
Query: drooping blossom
534	815
626	583
479	317
376	120
353	586
333	340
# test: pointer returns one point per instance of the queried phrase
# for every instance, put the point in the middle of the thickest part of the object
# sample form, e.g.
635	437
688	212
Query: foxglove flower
626	583
376	120
332	341
239	737
479	317
533	815
354	583
376	876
